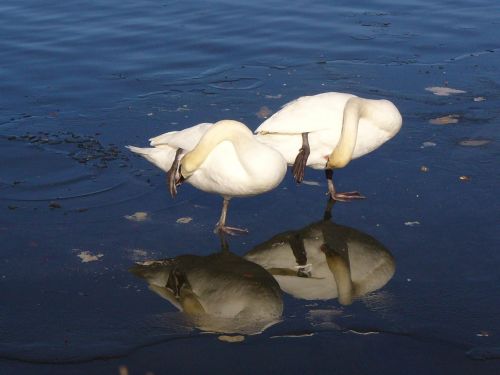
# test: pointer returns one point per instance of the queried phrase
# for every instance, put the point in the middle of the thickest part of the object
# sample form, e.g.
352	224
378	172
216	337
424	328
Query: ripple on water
237	84
42	173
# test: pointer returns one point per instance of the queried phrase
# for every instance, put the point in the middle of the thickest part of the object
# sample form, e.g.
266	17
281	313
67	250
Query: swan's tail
155	271
162	157
139	150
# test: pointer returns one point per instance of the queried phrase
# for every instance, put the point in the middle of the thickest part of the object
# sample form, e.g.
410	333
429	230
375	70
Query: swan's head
381	114
224	130
337	159
340	157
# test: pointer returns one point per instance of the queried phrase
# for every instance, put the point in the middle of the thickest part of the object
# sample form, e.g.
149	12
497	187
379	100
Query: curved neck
341	271
227	130
342	154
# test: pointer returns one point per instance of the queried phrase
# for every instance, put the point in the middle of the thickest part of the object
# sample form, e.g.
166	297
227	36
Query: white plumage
164	146
223	158
339	127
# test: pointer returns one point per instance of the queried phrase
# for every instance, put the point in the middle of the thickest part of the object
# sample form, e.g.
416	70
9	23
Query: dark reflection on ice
325	260
221	292
226	293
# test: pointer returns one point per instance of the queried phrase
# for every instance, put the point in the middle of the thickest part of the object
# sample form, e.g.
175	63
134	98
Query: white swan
326	131
223	158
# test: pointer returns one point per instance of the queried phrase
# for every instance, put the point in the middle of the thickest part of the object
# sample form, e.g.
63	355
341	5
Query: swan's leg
299	252
300	163
172	173
341	197
329	181
223	215
327	215
221	227
224	244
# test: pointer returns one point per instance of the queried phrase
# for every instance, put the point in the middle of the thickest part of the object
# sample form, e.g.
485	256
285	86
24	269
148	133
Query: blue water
80	80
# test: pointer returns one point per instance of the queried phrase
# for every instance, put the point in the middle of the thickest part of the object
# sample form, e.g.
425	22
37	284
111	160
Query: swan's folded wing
186	139
307	114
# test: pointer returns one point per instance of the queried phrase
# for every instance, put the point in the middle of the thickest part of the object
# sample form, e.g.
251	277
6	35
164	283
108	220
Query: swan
221	292
223	158
328	130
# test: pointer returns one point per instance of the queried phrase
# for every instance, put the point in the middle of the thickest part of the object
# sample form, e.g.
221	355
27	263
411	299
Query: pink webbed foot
348	196
233	231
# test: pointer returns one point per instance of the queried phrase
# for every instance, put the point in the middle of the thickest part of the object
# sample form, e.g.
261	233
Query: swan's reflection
221	292
325	260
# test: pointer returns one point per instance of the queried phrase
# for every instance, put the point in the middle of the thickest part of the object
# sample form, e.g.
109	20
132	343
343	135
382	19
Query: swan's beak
179	180
330	163
337	160
183	173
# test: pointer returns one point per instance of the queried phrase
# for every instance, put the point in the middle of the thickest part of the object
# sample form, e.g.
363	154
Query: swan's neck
342	154
232	131
342	274
190	303
381	114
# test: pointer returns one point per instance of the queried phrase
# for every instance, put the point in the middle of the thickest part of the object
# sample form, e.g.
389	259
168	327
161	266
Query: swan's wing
186	139
307	114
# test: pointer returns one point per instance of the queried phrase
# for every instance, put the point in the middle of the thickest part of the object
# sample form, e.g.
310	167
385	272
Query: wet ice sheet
57	196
